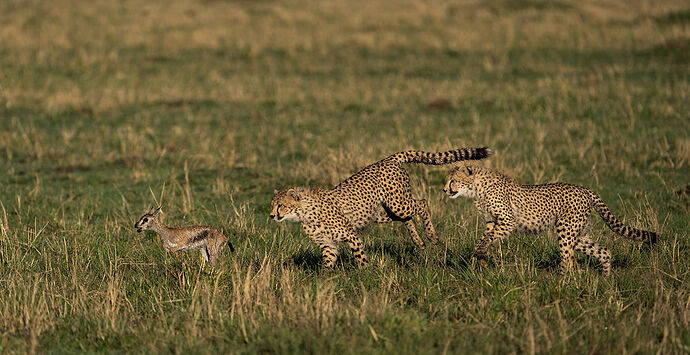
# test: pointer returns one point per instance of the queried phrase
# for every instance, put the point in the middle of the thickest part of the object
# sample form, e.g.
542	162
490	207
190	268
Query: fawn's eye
146	220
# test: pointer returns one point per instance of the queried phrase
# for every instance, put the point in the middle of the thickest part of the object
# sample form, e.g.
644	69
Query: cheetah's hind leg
412	229
357	247
586	245
425	215
403	212
385	215
567	232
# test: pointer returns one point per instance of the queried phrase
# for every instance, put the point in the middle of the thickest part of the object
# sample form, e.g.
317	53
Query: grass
212	105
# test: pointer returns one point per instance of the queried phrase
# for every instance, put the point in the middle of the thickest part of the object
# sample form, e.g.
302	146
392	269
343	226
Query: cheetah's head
148	220
285	205
460	182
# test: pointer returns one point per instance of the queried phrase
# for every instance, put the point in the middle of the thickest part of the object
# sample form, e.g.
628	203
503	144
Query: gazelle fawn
208	240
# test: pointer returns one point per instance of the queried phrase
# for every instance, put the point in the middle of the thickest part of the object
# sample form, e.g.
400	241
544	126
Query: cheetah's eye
146	220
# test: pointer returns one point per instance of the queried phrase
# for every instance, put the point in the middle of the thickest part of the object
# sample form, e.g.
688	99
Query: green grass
212	105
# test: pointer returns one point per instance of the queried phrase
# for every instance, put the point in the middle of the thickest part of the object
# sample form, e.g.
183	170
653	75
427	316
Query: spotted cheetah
378	193
507	206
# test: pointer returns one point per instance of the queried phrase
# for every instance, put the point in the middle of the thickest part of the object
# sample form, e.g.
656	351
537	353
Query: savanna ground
211	105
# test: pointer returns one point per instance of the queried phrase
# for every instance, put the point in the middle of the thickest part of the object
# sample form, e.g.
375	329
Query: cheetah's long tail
617	226
441	158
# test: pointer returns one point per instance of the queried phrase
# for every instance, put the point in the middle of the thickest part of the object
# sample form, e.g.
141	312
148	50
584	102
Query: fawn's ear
157	211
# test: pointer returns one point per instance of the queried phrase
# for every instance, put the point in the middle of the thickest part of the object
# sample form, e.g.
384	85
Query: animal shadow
311	261
405	255
549	263
306	260
453	259
408	255
552	262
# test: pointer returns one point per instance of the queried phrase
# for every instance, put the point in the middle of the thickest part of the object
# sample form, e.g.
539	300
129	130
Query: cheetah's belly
532	216
359	217
360	209
533	224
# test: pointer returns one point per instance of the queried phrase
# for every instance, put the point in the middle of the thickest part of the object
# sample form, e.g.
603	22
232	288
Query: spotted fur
507	206
208	240
321	219
378	193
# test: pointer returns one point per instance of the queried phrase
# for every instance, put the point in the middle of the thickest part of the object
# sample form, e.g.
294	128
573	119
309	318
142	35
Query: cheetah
208	240
378	193
507	206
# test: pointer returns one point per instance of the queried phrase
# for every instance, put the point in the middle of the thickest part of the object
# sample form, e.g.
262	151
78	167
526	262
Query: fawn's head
147	221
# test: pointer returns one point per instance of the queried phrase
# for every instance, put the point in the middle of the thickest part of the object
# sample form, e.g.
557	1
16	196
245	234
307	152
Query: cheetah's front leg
487	230
329	253
497	230
489	226
356	247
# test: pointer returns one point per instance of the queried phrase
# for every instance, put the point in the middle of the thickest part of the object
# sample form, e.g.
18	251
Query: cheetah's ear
275	191
469	169
292	193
